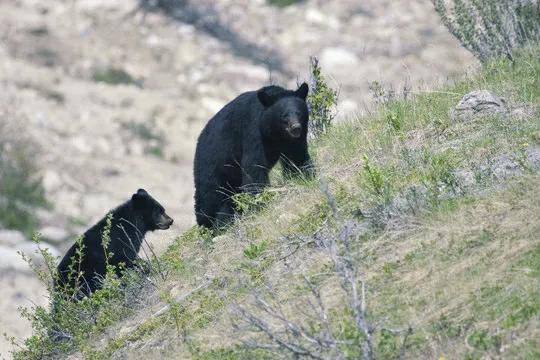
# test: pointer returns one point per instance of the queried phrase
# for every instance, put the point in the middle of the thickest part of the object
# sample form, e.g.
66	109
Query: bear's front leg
295	161
225	215
254	173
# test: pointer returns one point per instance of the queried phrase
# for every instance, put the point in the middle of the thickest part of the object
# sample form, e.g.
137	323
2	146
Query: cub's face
288	115
152	212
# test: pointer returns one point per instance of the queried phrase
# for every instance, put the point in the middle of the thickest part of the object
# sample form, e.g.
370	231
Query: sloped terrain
116	98
435	218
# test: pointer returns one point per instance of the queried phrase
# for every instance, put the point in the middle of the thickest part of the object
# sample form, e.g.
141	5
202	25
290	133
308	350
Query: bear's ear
265	99
139	195
302	91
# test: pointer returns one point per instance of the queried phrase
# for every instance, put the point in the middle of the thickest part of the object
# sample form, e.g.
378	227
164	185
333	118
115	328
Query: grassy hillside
418	239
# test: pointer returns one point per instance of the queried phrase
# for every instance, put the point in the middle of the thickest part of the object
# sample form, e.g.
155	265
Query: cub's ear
141	192
139	195
302	91
265	99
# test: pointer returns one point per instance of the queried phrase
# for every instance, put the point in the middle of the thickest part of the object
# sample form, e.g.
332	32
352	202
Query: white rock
81	144
337	59
11	237
478	103
9	259
51	180
30	249
154	40
315	16
53	234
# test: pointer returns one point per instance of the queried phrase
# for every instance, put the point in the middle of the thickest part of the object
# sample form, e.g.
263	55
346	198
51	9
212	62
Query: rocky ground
101	141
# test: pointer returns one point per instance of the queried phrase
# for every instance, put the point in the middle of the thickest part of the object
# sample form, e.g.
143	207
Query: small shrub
322	101
253	251
481	340
491	28
283	3
388	345
245	202
115	76
377	180
440	174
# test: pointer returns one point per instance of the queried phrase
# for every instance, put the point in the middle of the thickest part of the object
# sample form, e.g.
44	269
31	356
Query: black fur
242	142
130	223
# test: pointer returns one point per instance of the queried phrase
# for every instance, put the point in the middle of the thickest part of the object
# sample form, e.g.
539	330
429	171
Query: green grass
456	262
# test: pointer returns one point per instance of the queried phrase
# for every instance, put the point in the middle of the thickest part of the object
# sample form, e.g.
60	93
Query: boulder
11	238
53	234
11	260
338	60
478	103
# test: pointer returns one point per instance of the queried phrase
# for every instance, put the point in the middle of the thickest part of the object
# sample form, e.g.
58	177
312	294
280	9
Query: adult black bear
242	142
129	224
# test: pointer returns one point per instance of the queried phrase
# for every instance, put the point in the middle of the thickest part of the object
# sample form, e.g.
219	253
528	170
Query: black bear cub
242	142
129	224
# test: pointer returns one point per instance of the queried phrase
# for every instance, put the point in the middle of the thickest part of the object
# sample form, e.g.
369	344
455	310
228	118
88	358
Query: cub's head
286	112
152	212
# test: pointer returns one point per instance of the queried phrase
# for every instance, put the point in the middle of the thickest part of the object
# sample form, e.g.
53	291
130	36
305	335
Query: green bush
253	251
491	28
322	101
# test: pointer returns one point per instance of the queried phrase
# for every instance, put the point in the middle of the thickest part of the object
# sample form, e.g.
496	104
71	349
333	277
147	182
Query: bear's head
153	214
285	112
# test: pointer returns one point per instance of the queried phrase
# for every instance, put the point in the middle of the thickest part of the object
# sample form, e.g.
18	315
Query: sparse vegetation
245	202
283	3
322	101
115	76
415	244
491	28
70	322
154	140
21	189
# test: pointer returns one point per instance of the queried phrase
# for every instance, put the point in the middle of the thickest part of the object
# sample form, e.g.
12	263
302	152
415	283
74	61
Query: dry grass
455	262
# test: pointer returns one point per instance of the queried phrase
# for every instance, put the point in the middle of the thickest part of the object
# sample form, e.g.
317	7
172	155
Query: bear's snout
294	129
165	222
